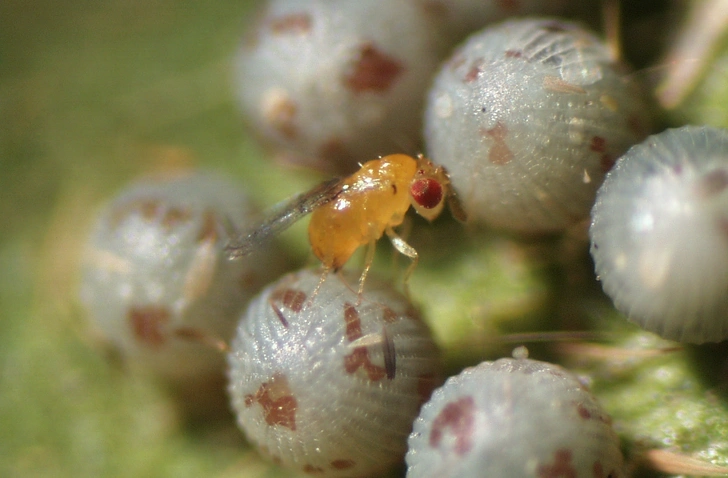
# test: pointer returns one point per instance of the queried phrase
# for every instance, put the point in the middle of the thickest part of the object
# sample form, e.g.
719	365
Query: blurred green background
94	93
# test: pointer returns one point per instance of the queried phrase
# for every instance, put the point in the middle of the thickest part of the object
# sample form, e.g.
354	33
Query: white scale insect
659	234
314	388
156	280
518	418
527	116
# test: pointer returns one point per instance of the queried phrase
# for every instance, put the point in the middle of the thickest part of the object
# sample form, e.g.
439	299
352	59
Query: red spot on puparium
279	404
293	23
342	464
312	470
175	216
427	192
359	358
389	315
353	322
561	467
208	231
514	53
149	209
290	298
457	419
472	73
147	324
598	144
373	71
583	411
499	152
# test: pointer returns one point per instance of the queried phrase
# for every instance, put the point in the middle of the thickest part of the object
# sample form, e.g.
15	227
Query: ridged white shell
154	269
339	82
513	418
527	116
659	234
309	378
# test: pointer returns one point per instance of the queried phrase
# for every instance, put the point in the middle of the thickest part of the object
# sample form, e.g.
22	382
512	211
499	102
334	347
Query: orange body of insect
371	200
359	209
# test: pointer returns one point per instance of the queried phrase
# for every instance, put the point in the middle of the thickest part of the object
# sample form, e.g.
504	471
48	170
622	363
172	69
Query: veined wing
283	217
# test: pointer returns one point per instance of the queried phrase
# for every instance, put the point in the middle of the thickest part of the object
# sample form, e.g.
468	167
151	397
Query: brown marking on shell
583	411
292	299
312	470
389	315
499	152
458	417
279	404
359	358
711	184
342	464
174	216
209	230
598	144
561	467
373	71
149	208
146	208
557	85
473	72
147	324
279	110
514	53
353	322
291	24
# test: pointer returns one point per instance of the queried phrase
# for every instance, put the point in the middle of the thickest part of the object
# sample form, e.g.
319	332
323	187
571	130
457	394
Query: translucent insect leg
368	259
407	250
324	275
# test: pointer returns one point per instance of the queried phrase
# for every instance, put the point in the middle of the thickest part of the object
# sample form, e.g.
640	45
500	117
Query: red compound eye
427	192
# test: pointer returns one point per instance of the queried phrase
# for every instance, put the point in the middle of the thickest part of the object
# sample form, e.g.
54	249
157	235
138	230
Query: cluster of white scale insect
522	123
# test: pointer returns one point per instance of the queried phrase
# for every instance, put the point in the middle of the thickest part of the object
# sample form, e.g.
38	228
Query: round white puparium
156	282
659	234
330	383
518	418
527	116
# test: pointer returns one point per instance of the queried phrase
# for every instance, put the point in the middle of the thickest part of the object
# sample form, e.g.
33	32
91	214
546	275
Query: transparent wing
283	217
